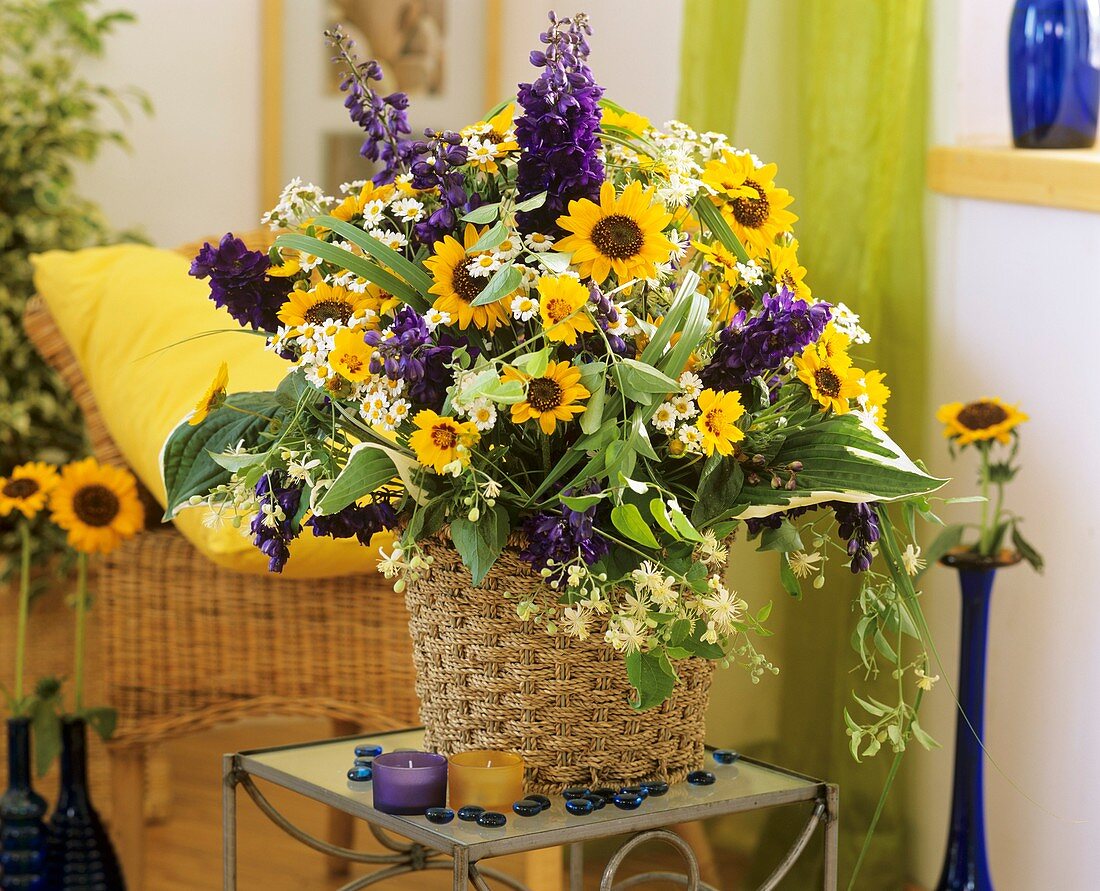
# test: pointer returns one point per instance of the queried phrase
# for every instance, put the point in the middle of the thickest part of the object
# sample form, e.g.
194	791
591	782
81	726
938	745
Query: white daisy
524	308
664	418
691	385
691	437
483	413
482	266
408	210
433	318
372	212
390	238
508	248
538	242
399	408
685	408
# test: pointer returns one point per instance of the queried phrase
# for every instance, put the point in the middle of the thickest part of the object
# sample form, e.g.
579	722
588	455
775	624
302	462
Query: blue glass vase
966	865
22	832
1054	73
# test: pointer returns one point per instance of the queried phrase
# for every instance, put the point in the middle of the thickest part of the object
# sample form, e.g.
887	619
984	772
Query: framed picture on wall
424	47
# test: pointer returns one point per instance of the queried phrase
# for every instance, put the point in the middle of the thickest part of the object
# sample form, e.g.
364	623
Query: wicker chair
189	645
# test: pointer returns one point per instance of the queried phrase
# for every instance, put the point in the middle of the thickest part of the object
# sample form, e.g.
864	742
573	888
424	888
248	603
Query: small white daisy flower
483	413
538	242
390	238
433	318
483	266
524	308
664	418
408	210
685	408
691	385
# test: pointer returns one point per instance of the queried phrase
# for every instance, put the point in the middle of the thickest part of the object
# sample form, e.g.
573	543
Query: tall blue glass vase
966	865
22	832
1054	73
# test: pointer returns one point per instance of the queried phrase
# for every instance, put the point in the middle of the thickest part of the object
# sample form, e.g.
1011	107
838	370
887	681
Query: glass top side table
318	772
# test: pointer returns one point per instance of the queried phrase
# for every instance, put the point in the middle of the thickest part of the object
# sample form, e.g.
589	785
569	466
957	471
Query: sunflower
832	381
455	288
321	304
623	234
27	489
213	398
553	397
350	356
625	120
561	304
832	347
981	421
440	440
787	271
97	505
873	398
750	202
718	414
497	137
730	294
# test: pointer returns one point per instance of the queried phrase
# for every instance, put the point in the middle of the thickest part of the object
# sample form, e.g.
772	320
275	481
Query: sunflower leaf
366	470
481	215
489	240
504	281
411	272
532	203
711	217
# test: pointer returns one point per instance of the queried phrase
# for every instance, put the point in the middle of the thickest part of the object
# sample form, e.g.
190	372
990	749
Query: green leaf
479	544
628	520
412	273
683	525
489	240
534	364
532	203
949	538
46	723
1026	550
670	324
481	215
660	514
503	282
367	469
921	736
785	538
869	707
639	381
652	675
186	458
711	217
695	328
788	579
505	392
582	502
592	416
719	486
102	720
554	262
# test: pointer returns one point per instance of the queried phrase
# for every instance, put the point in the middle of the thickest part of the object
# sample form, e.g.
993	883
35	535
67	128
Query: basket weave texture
486	680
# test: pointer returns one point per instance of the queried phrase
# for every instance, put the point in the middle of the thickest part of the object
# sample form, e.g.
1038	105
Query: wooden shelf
1067	178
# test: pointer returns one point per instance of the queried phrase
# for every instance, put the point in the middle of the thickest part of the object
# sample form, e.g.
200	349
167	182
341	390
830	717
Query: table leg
461	880
576	866
832	835
229	823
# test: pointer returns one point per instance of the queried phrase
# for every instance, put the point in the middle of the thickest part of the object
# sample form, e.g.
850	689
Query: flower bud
473	515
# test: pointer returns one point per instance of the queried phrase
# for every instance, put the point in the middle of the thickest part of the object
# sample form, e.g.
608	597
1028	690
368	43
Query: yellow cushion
119	307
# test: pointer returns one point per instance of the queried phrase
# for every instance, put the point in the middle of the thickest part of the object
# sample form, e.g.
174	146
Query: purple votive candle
409	782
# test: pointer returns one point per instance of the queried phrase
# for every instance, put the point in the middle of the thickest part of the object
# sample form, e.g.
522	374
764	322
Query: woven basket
486	680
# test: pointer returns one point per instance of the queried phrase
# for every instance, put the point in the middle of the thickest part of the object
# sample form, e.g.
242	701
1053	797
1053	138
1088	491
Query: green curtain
860	72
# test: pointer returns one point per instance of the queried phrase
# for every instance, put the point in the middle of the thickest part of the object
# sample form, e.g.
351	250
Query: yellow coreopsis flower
623	235
27	488
980	421
213	398
562	300
97	505
832	380
719	411
873	398
440	440
755	209
788	271
626	120
555	396
456	289
350	356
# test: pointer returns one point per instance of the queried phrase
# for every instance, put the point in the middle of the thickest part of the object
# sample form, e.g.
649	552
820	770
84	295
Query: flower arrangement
563	326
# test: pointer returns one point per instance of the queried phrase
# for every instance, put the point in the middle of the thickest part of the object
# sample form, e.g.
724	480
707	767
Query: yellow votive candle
489	778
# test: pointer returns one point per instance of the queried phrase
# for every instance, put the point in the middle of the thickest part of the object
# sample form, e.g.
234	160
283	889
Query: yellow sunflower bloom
97	505
455	288
787	270
750	202
626	120
440	440
213	398
832	347
873	398
286	269
555	396
981	421
719	411
350	356
27	488
621	235
832	382
321	304
729	294
561	305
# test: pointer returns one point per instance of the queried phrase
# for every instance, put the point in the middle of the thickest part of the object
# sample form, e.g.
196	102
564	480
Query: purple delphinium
753	346
435	165
562	537
240	284
360	521
858	525
558	132
271	533
431	388
406	352
605	314
383	118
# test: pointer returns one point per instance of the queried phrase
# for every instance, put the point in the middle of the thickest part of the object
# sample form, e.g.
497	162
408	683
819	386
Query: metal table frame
424	847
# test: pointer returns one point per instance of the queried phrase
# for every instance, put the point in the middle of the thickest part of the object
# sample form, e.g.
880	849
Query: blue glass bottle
22	832
1054	73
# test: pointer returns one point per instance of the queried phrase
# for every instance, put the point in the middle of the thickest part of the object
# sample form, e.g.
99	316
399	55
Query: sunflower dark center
744	299
752	212
95	505
617	236
444	437
323	310
493	137
827	382
980	415
22	488
544	394
466	286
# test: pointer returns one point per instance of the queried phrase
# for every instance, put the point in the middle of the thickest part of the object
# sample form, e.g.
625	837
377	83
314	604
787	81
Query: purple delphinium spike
272	533
239	282
562	537
434	165
558	132
360	521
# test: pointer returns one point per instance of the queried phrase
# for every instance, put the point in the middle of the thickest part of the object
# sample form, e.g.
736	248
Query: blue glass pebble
439	815
571	792
491	819
605	792
700	778
470	813
627	802
364	762
656	789
726	756
527	808
634	790
598	801
367	750
579	807
360	774
541	799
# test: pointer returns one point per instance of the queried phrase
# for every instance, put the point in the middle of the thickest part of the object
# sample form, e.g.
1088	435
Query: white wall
1014	313
193	168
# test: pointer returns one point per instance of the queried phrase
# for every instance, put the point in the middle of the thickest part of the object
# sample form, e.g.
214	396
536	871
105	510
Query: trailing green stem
81	628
